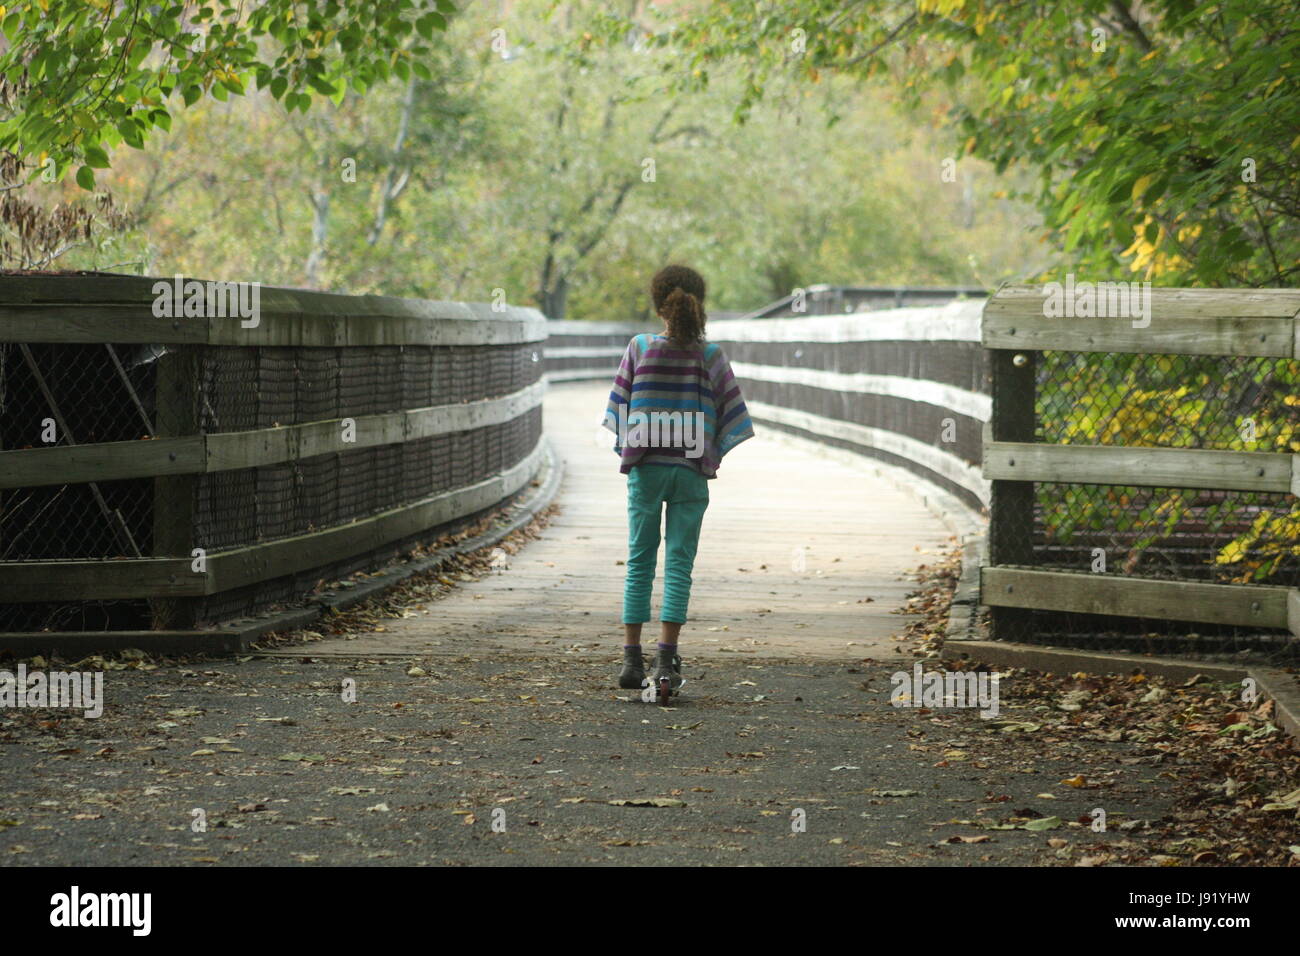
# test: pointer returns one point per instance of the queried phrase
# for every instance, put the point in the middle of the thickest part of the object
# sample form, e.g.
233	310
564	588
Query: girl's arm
733	424
621	393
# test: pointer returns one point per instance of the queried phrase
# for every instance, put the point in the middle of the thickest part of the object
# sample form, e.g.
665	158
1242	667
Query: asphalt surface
522	761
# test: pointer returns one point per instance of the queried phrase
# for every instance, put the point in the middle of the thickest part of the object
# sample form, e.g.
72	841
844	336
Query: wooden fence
960	397
907	387
1246	325
329	432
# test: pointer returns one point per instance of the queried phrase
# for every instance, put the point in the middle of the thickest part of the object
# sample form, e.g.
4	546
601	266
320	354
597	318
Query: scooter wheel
665	691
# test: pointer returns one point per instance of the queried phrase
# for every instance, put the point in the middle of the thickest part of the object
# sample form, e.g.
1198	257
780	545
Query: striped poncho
662	393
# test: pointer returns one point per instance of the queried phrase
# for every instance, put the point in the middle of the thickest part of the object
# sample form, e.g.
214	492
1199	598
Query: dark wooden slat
1258	322
1146	467
29	581
1240	604
106	461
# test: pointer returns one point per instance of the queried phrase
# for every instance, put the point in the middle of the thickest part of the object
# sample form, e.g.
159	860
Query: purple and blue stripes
655	377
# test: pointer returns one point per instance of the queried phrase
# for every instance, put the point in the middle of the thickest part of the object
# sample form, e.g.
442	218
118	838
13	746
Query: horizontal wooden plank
121	290
297	329
120	324
226	451
963	401
79	309
1255	322
1145	467
242	566
29	581
1114	595
106	461
1293	612
266	446
137	324
1026	299
933	457
954	322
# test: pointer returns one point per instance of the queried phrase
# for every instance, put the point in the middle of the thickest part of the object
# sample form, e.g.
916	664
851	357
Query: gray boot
632	675
668	664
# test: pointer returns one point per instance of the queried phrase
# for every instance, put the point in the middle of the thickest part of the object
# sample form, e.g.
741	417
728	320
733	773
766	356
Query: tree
79	78
1162	134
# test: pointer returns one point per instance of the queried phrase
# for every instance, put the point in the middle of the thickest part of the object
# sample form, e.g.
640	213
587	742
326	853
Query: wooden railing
1245	324
330	432
906	387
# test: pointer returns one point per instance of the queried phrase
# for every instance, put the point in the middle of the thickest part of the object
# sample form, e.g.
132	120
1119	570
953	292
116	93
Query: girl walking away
676	409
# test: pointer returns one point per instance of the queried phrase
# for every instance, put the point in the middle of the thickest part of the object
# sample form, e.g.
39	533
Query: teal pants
686	493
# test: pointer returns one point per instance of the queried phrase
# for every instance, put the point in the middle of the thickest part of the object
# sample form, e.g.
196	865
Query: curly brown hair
678	294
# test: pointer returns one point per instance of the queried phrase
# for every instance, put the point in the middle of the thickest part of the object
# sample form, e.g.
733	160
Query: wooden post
176	414
1011	509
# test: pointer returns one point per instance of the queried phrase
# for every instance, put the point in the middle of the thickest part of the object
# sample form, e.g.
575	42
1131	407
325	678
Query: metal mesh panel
229	389
272	502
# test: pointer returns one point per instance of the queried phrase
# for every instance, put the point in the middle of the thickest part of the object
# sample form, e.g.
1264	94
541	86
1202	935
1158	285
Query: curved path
784	748
802	555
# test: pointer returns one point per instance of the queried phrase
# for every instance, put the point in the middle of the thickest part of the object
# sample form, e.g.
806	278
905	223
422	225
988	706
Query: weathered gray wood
107	461
1257	322
236	568
137	324
29	581
176	413
296	329
226	451
1147	467
445	419
1264	337
174	577
267	446
1293	612
96	323
1026	300
121	309
1011	502
1240	604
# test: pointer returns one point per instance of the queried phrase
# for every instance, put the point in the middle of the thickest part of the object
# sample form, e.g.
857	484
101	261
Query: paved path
773	508
496	704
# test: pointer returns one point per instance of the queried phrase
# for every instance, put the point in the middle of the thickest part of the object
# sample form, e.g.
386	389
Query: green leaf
96	158
1044	823
86	178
